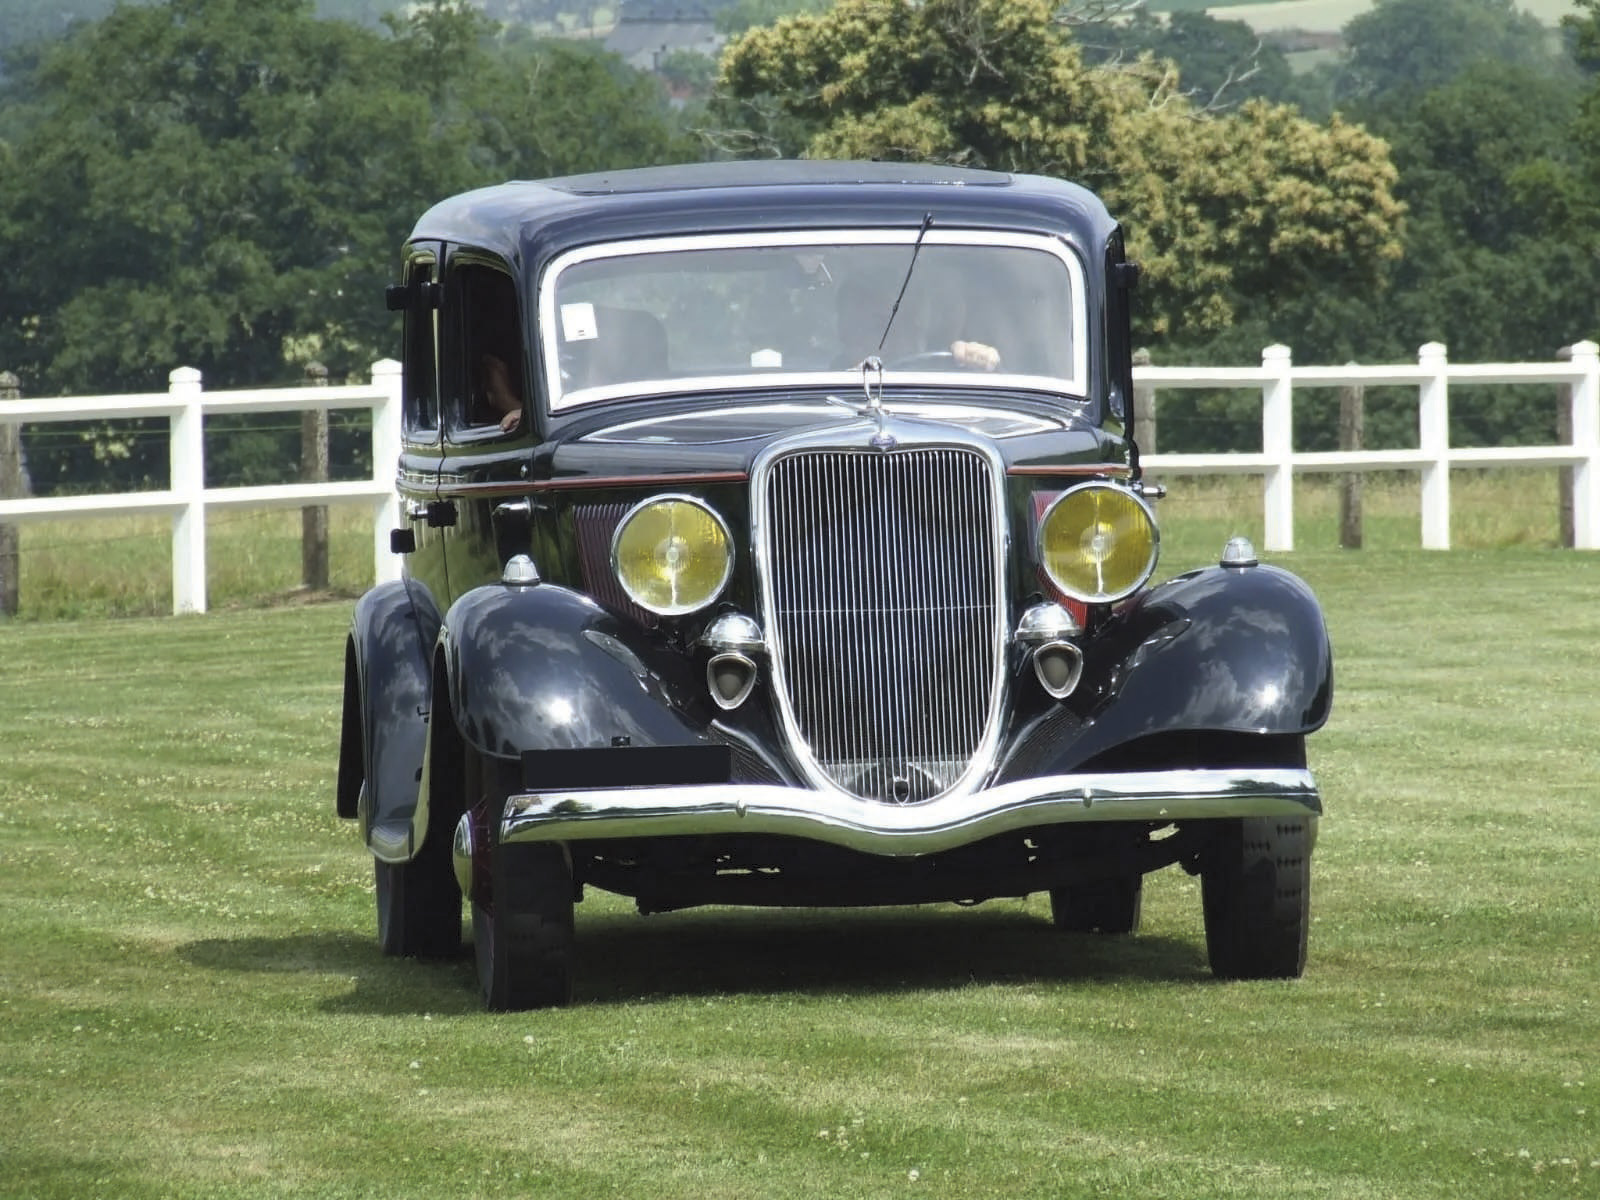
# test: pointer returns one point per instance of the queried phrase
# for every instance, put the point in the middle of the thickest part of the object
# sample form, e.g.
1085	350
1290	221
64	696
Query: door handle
437	513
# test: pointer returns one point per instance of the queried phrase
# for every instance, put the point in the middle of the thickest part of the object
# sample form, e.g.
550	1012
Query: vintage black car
776	536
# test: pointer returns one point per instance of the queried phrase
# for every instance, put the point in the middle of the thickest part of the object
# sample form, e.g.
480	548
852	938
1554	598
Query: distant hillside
23	21
1318	16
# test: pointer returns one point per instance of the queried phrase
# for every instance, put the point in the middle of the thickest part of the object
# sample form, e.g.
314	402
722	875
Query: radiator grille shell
883	580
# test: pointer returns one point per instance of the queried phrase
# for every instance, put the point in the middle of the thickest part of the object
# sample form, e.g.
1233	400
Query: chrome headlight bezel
1123	589
696	604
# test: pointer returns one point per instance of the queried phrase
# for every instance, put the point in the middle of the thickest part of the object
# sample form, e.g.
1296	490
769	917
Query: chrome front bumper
908	829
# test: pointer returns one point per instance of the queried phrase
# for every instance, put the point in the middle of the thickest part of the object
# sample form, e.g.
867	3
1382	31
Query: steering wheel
923	358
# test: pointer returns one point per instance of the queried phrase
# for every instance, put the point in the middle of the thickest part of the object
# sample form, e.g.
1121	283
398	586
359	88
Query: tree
226	183
1221	63
1416	45
241	175
1222	210
736	16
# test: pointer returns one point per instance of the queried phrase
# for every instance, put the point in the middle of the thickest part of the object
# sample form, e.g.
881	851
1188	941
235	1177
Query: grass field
192	1003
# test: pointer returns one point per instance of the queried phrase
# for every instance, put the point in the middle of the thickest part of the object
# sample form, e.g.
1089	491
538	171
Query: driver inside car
925	331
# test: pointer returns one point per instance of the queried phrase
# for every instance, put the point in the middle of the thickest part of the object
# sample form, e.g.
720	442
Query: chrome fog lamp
1057	663
730	678
1058	667
731	674
734	632
1047	622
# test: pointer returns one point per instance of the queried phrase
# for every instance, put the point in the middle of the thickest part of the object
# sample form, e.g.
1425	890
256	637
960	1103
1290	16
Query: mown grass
122	567
192	1003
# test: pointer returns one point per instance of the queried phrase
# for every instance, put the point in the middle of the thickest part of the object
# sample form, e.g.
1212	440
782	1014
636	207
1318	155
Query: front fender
544	668
1223	650
387	669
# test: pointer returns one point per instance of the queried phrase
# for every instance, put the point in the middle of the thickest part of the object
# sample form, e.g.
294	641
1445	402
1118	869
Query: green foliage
740	15
1258	203
226	183
1220	62
1416	45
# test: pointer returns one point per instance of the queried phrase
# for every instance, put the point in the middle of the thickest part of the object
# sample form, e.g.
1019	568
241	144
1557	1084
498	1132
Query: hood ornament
872	386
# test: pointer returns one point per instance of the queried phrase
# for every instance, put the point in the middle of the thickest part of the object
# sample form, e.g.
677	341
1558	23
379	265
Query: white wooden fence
1277	377
185	404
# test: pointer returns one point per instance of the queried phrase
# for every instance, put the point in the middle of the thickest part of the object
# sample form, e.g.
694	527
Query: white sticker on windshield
577	322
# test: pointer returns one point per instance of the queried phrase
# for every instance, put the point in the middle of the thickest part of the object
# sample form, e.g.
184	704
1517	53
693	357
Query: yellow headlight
672	555
1098	543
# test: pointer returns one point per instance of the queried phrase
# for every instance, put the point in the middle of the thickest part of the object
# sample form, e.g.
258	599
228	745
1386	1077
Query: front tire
1255	885
522	928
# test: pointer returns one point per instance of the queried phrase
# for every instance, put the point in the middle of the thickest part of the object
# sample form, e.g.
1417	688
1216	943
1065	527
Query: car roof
531	220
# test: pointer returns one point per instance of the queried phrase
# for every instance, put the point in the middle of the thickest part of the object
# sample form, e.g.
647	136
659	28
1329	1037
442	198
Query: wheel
419	904
1255	885
522	928
1104	906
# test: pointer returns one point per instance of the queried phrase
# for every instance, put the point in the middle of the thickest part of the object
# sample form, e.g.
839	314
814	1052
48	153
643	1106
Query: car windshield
673	315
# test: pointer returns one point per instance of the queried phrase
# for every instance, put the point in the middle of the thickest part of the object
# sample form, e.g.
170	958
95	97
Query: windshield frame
1075	388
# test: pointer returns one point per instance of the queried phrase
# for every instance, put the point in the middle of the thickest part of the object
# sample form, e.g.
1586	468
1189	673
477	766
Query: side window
421	387
489	380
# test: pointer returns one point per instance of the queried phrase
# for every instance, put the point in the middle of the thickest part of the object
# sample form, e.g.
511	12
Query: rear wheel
1255	884
522	923
1104	906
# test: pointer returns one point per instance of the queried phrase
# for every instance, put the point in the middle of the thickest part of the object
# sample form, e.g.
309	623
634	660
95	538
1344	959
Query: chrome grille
883	579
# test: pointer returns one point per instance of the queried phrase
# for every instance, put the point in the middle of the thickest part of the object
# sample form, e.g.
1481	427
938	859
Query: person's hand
501	392
976	355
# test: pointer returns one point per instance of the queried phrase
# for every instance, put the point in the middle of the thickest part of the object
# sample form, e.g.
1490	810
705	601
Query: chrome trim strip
799	239
908	829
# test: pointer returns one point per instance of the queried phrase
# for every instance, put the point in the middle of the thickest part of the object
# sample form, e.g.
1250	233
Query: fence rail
186	404
1278	461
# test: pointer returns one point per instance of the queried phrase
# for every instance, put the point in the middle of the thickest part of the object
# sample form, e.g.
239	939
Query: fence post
1584	419
1144	406
1352	435
1433	438
1564	438
1277	443
387	377
189	489
314	469
10	489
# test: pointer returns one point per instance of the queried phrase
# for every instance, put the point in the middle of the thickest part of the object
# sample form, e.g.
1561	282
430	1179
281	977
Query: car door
421	454
487	435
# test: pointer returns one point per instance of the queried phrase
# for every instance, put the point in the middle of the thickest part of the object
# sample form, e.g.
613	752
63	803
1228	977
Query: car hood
728	437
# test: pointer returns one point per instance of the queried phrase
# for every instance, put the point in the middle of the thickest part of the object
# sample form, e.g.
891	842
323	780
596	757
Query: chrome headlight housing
1098	542
672	555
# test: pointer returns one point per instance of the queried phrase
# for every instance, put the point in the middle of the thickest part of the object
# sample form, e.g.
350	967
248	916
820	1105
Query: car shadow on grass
626	958
856	952
377	985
